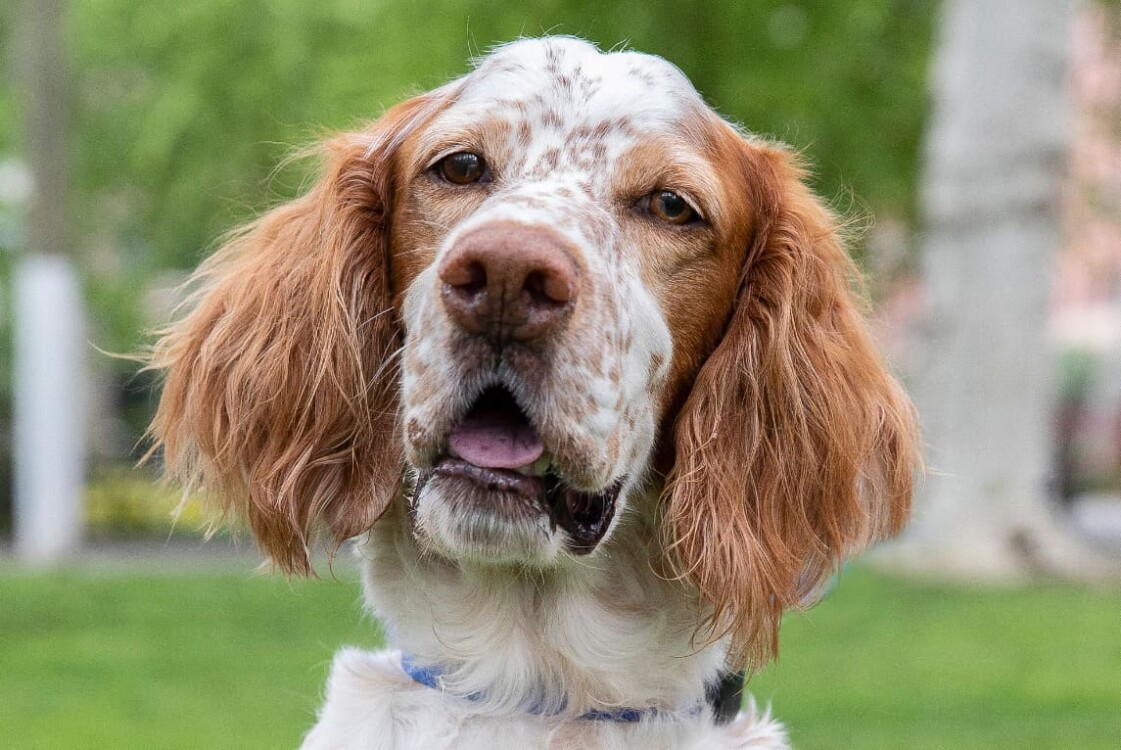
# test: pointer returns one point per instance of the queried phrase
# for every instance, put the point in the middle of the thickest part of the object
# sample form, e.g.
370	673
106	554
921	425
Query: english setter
580	365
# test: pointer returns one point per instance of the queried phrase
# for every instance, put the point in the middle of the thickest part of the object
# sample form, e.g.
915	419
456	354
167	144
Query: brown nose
510	281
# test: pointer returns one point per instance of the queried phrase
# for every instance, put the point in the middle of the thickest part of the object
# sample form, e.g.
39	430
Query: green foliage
126	502
210	659
8	61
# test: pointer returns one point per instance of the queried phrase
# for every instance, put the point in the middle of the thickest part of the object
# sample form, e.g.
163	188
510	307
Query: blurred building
1085	325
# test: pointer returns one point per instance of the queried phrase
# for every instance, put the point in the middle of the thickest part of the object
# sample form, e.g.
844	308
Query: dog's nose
509	281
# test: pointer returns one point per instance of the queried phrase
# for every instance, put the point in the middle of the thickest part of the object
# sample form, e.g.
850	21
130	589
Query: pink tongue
495	441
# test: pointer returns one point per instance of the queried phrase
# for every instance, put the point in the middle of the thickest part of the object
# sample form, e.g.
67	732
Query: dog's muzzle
497	453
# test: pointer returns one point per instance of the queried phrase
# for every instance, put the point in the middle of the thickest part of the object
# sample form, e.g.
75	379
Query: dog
581	367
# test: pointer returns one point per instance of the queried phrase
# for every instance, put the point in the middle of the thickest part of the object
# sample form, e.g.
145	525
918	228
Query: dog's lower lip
490	479
585	516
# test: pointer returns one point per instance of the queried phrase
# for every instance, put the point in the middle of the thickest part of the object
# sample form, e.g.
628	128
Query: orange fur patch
794	447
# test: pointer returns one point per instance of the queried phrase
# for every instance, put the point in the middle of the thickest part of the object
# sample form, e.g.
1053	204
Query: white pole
48	410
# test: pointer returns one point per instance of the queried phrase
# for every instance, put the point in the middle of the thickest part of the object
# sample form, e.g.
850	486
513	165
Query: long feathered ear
280	395
795	446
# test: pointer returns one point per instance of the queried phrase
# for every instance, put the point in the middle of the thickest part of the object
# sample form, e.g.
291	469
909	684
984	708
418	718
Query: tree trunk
994	158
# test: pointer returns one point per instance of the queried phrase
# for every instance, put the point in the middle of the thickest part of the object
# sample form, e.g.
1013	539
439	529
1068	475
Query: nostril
464	292
546	290
469	278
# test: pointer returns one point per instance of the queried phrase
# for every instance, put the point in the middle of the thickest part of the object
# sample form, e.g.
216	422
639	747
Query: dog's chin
501	516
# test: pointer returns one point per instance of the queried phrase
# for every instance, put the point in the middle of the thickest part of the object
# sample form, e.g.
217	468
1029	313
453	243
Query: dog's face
550	221
556	288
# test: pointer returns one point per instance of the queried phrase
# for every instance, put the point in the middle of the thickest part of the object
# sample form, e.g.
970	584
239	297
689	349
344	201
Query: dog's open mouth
496	448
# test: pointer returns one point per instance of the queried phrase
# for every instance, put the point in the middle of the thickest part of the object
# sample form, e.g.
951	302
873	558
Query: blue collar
430	677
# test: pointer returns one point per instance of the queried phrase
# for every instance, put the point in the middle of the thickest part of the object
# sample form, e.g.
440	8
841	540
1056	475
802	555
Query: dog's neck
611	629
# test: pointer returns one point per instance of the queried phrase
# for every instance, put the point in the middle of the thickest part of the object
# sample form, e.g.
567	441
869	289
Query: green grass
887	663
235	660
175	661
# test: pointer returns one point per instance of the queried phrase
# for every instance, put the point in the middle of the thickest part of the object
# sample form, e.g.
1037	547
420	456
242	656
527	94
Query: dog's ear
795	446
280	393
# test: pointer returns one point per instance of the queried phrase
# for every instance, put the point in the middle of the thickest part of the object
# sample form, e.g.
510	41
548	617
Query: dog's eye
671	208
462	168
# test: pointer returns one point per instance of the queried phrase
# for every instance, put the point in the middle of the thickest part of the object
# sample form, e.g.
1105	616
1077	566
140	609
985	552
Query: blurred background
977	143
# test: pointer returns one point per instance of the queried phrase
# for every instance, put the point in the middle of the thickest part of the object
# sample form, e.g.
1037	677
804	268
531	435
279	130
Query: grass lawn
233	660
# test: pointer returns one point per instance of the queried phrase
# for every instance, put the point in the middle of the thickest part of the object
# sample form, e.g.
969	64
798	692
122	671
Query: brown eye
671	207
462	168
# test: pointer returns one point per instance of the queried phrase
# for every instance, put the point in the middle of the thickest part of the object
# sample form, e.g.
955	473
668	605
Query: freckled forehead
574	79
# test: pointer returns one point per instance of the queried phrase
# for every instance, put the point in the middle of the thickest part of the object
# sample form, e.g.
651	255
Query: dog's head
530	298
